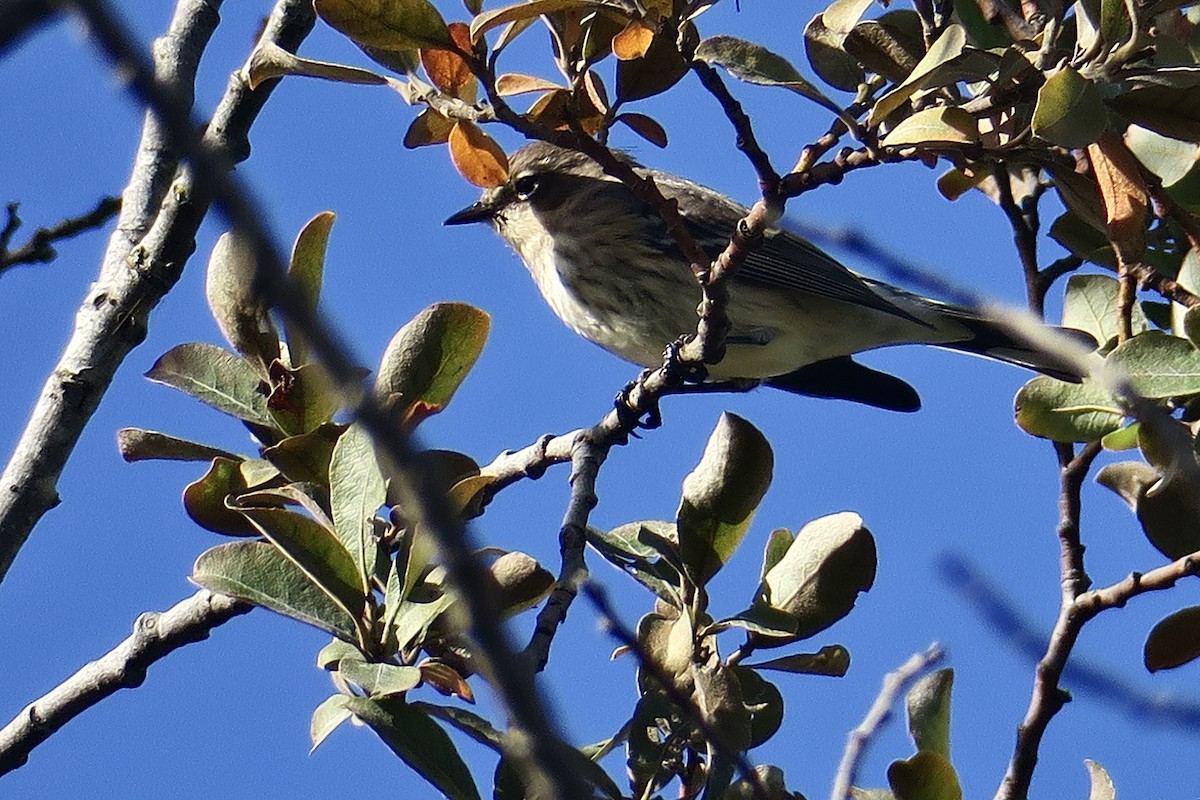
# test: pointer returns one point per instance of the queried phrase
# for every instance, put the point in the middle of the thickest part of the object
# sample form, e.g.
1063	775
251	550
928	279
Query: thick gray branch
154	238
154	636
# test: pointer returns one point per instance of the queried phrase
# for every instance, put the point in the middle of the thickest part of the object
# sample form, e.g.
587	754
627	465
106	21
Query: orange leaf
1124	194
510	83
633	41
447	69
476	155
646	127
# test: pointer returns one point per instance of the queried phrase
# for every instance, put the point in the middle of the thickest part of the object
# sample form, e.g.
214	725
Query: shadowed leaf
204	499
832	660
1069	111
307	269
356	492
137	444
447	70
1174	640
387	24
215	377
237	307
523	11
646	127
925	776
928	706
428	128
1066	412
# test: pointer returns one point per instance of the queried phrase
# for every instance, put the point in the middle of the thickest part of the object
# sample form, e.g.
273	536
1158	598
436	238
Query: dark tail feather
844	378
991	340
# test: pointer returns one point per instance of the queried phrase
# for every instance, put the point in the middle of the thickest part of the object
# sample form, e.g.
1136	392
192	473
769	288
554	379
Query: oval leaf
446	68
216	377
428	359
756	64
1174	640
633	41
387	24
1159	365
1069	110
307	270
1066	412
523	11
258	573
237	307
925	776
934	126
356	492
646	127
326	718
476	155
928	706
721	495
204	499
137	444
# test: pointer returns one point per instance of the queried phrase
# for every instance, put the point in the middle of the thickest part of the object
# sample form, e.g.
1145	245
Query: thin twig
1147	277
494	652
894	684
155	635
141	265
1048	697
40	247
1025	229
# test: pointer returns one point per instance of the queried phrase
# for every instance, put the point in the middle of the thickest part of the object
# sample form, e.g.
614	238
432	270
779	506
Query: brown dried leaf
634	41
646	127
1124	194
476	155
447	69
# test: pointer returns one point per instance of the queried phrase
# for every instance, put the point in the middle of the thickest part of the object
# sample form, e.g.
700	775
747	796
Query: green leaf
934	69
626	548
1066	412
466	721
258	573
387	24
1069	110
307	270
1102	787
138	444
356	492
380	680
761	619
934	126
214	376
830	561
755	64
523	11
326	718
302	399
827	57
1174	640
521	581
1169	512
239	310
420	742
1187	278
204	498
1159	365
843	15
1168	158
1090	305
337	650
928	706
305	458
1121	439
777	546
316	551
721	495
428	359
764	702
832	660
925	776
412	620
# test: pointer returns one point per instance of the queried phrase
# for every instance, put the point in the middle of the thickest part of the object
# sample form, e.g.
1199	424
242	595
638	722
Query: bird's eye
525	186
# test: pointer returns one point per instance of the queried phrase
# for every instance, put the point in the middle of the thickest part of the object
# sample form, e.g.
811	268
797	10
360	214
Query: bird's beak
479	212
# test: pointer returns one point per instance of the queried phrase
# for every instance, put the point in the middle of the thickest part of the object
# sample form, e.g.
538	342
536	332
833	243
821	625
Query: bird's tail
994	340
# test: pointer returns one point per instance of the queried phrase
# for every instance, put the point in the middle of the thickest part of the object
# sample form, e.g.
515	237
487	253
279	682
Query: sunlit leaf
1170	159
429	357
831	660
380	680
476	155
1069	110
258	573
522	582
948	47
634	41
326	718
216	377
356	492
137	444
1066	412
523	11
510	84
1102	787
756	64
387	24
928	706
231	288
204	499
307	269
925	776
1159	365
1124	193
721	495
1188	278
1090	305
446	68
934	126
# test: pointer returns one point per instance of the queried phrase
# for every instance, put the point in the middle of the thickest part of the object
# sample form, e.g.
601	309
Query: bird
605	263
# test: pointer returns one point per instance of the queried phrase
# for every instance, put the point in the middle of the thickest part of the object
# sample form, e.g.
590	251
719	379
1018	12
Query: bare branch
40	247
155	635
154	238
894	684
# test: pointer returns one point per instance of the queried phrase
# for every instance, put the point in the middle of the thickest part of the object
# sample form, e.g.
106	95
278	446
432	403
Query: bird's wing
783	260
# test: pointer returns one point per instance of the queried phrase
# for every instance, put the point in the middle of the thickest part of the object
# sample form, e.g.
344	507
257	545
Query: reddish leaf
476	155
448	70
646	127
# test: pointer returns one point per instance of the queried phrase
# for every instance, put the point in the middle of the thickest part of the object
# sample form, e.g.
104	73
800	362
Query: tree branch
1048	697
155	235
155	635
894	683
40	247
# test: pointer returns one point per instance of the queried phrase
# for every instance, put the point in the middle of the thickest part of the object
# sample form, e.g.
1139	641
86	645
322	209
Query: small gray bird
605	263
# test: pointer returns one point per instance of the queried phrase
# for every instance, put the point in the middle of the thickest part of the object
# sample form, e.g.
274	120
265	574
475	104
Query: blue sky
229	717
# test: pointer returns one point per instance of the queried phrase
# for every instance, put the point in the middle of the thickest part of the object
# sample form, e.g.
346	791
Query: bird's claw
630	418
676	370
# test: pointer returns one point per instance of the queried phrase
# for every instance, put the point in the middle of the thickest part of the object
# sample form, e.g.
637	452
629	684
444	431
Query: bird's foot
676	370
629	417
